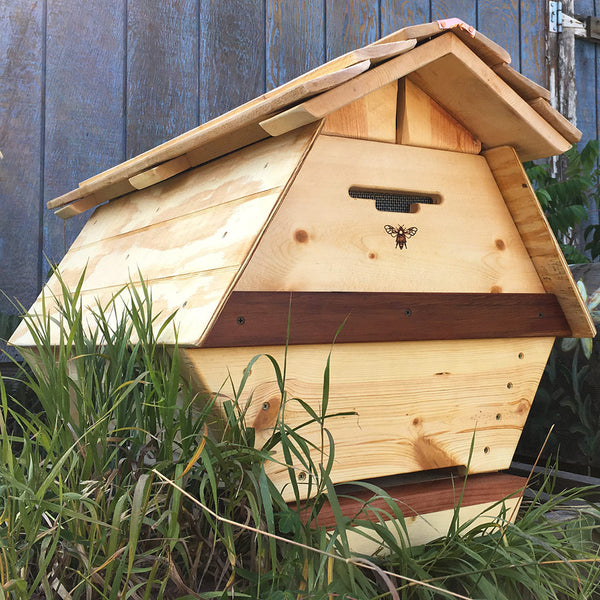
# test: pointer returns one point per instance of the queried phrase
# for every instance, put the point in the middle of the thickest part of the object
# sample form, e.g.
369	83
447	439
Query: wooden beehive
384	191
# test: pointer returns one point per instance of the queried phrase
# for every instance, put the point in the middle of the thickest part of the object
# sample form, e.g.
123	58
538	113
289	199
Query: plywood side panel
373	117
423	122
538	238
188	237
248	172
413	405
321	239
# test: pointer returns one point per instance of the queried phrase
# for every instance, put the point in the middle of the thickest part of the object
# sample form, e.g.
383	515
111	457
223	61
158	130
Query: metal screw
266	406
408	312
241	320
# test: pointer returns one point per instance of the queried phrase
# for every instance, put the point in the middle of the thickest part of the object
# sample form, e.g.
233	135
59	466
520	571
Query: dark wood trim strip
425	498
261	318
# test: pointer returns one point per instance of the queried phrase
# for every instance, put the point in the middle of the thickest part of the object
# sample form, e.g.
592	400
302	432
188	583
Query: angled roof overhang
465	72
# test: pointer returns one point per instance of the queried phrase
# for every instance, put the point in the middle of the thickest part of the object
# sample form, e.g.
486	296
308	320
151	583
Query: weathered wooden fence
86	85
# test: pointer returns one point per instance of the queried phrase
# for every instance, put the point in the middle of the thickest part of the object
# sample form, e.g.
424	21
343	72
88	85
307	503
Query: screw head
241	320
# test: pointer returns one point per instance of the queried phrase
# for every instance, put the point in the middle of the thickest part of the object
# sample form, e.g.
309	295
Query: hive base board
428	508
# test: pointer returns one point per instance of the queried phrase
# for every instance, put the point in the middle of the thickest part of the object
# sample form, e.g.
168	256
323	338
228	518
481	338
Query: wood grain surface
287	22
162	72
81	140
321	239
22	146
184	64
188	236
350	24
231	55
267	318
394	407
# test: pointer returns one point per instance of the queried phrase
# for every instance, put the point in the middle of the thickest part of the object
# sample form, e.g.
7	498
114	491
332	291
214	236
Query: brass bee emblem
401	234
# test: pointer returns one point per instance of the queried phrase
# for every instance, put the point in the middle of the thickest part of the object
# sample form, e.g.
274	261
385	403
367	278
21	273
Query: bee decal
400	234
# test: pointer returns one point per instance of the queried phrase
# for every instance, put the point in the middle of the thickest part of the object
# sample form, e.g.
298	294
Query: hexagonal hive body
379	198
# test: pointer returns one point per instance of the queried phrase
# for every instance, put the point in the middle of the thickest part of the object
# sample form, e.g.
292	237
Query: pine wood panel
415	405
423	122
81	139
560	123
162	54
21	120
495	113
372	117
444	68
538	238
248	172
323	240
268	318
188	236
222	135
526	88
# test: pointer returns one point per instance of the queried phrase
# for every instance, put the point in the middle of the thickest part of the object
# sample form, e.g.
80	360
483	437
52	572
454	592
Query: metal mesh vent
389	201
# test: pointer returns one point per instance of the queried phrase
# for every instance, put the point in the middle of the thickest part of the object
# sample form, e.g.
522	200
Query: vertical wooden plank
350	25
84	104
21	120
162	71
295	37
460	9
396	14
231	55
588	95
500	22
533	41
586	79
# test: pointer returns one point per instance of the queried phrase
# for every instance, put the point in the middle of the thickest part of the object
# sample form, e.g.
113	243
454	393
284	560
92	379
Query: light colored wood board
423	529
253	170
332	100
560	123
490	52
195	297
423	122
487	106
447	71
239	126
160	173
539	240
525	87
372	117
321	239
416	405
180	249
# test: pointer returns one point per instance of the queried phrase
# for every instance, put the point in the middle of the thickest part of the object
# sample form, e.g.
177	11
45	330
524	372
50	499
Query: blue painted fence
86	85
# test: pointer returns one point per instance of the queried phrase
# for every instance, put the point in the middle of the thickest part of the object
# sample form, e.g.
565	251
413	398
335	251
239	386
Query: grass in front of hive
113	487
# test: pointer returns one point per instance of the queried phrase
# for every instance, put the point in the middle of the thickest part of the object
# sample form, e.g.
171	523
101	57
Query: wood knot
500	244
267	414
495	289
301	236
372	255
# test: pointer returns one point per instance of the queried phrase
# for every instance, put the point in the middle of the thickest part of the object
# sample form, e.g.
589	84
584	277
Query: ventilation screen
392	201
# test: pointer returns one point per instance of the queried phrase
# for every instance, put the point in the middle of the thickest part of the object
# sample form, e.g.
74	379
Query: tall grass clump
112	486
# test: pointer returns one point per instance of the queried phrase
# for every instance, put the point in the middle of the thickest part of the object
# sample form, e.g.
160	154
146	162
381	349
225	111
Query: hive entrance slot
395	201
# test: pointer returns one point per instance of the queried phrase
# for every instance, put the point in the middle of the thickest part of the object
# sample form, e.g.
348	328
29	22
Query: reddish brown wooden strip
426	497
261	318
